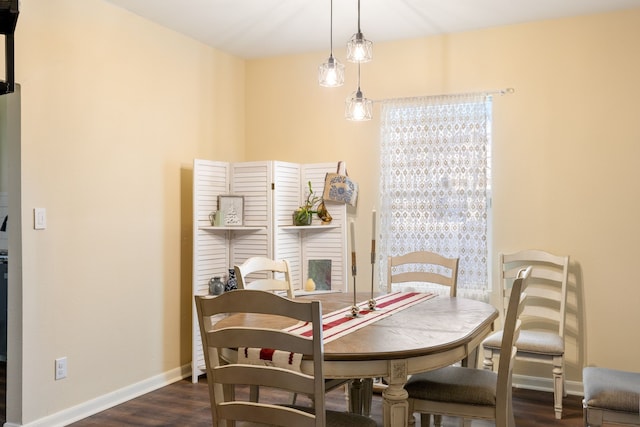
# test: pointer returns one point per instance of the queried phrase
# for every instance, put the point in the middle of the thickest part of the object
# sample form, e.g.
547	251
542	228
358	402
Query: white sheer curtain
434	183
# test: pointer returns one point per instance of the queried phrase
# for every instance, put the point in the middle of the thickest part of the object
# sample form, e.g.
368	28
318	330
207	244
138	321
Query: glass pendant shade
358	108
359	49
331	73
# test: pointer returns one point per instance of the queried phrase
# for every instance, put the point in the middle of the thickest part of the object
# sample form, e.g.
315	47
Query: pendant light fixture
359	49
331	73
357	107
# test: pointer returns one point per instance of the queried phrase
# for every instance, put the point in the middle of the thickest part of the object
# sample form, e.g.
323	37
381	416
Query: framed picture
231	208
320	272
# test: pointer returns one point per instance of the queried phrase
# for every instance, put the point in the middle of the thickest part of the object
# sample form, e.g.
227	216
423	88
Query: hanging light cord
331	29
359	17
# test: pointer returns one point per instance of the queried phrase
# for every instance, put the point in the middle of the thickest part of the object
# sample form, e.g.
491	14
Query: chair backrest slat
265	274
423	266
546	289
510	333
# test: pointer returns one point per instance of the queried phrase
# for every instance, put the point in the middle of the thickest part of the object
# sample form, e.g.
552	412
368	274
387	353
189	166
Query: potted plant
304	214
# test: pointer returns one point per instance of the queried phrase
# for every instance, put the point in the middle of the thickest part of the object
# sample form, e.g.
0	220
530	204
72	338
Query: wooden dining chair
542	336
262	273
423	267
268	282
414	267
471	393
223	374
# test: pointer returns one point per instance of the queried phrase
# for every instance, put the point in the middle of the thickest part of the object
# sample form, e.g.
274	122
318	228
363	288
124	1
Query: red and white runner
337	324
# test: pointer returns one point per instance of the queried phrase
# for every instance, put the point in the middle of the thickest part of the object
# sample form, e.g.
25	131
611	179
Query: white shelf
307	227
236	228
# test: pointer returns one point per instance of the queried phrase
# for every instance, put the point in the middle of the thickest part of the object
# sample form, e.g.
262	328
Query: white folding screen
272	190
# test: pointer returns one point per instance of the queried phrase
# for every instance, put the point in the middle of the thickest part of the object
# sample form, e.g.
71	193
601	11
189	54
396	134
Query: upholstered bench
610	396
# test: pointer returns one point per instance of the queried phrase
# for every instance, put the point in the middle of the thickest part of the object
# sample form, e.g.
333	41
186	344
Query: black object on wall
8	19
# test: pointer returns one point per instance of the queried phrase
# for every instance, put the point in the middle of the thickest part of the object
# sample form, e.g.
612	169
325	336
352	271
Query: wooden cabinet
272	190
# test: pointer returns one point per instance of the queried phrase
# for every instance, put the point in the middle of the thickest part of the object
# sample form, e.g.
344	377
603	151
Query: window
435	183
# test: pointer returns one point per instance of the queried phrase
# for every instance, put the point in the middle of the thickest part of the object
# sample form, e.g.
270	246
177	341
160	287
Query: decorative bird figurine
323	213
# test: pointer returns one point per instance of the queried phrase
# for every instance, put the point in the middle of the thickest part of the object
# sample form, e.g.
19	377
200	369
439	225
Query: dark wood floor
3	392
187	404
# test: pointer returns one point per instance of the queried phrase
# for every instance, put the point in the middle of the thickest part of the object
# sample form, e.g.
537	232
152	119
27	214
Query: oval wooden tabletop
429	327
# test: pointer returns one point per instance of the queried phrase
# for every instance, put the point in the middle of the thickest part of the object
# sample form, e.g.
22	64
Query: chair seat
454	384
611	389
537	342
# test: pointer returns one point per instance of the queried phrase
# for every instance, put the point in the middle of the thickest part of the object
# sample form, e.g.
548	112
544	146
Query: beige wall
566	149
114	109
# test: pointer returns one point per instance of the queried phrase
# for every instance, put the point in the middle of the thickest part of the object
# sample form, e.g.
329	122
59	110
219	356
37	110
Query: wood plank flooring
187	404
3	392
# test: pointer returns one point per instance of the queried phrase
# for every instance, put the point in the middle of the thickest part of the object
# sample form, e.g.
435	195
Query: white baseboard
546	384
109	400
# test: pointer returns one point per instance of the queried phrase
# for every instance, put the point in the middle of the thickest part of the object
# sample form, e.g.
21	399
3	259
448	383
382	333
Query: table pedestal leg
355	396
395	409
360	392
367	395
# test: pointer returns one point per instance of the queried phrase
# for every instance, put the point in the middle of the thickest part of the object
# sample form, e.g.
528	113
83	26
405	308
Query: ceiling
262	28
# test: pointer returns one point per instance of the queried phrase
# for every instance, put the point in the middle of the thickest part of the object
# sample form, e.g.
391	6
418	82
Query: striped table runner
334	325
337	324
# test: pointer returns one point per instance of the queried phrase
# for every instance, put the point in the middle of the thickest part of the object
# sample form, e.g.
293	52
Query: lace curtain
434	184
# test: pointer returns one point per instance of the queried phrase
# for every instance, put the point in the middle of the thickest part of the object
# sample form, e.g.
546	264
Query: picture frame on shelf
231	209
320	272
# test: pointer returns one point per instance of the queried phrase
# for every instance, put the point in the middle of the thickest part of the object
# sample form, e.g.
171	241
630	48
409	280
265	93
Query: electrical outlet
61	368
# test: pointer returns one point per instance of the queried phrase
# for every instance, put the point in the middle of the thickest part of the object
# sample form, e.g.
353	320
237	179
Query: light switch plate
39	218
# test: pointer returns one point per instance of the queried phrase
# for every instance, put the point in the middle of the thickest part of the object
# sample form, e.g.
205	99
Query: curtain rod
501	92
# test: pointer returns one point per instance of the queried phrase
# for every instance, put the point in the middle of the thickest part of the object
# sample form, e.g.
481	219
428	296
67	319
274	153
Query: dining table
434	332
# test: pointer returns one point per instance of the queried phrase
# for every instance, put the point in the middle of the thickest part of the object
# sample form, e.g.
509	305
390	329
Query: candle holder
372	301
355	310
